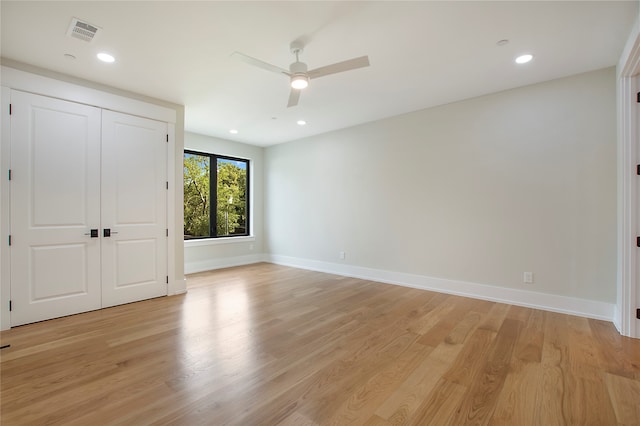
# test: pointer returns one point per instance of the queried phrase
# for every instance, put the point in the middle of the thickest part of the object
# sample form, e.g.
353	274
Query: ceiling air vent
82	30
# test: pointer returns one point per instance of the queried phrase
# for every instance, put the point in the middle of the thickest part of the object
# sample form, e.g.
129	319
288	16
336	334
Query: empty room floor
270	345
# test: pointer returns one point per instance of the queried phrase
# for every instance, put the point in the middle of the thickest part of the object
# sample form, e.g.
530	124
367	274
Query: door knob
93	233
106	232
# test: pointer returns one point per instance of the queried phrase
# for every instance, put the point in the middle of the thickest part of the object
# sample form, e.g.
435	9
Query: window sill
217	241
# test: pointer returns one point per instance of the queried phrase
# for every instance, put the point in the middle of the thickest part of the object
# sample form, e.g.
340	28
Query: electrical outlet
342	255
527	277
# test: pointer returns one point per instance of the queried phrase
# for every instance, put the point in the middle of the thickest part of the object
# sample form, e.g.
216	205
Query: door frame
79	91
628	285
5	210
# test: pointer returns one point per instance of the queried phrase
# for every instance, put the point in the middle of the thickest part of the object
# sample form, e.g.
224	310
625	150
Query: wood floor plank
468	364
265	345
439	408
376	421
619	353
625	398
319	396
585	363
366	398
529	345
493	320
480	400
400	406
520	396
297	419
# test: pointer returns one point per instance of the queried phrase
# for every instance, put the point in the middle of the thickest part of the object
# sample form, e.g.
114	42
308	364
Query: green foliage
232	190
231	215
196	195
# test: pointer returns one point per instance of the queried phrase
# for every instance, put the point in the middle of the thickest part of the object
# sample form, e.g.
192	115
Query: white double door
88	208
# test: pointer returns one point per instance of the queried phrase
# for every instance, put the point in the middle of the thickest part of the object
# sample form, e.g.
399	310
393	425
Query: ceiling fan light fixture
299	81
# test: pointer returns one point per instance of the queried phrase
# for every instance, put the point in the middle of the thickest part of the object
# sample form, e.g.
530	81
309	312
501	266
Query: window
216	200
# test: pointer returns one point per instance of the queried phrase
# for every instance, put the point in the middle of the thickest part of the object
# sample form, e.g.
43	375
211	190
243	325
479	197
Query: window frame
213	196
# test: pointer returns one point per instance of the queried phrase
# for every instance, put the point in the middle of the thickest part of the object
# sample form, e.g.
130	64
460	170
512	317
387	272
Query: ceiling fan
298	74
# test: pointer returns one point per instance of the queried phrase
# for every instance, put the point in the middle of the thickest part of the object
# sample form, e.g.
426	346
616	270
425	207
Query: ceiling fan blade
294	96
351	64
258	63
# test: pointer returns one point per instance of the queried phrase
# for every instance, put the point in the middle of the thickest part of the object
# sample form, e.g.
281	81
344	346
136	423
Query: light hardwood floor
271	345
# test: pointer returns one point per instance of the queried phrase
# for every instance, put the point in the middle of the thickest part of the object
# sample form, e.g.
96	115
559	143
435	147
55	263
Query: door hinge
9	239
9	174
637	241
10	306
638	313
167	232
167	279
167	184
10	109
168	133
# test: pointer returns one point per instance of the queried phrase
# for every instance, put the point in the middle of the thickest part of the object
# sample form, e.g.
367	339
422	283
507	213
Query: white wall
201	255
477	191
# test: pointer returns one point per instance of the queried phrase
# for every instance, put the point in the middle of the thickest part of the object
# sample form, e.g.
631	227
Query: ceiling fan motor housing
299	77
298	68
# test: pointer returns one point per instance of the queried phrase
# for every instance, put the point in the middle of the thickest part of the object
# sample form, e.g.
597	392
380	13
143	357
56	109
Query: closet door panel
55	202
134	208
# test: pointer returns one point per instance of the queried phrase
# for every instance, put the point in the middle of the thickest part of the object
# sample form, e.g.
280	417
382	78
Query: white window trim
217	241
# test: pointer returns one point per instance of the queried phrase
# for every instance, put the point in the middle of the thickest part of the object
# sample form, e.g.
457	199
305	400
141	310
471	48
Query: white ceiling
422	54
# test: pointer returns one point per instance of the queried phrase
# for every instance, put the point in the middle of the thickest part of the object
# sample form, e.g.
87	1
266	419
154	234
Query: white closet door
55	202
134	208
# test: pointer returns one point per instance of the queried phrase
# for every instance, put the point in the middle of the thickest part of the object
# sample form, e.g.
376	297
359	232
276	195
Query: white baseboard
224	262
530	299
177	287
617	319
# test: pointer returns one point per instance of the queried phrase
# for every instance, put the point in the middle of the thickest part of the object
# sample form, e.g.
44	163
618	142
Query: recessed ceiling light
523	59
301	122
233	131
105	57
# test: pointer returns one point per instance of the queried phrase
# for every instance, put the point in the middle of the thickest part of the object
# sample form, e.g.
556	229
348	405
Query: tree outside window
216	202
